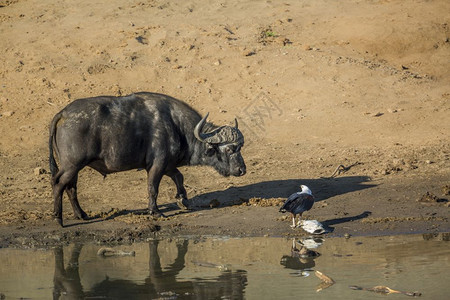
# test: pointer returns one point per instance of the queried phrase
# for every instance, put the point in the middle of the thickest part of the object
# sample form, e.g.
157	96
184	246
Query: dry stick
326	281
385	290
341	169
112	252
324	277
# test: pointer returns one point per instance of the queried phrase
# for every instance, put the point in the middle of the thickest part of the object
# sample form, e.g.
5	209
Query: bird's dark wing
307	202
289	203
298	203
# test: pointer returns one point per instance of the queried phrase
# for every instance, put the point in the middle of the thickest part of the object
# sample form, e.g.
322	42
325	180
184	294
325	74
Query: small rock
250	53
39	171
398	162
428	161
217	62
7	114
429	198
392	111
142	40
214	203
347	235
286	41
446	190
24	127
308	48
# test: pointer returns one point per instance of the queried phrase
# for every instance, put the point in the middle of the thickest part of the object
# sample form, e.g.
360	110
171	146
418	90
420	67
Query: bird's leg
299	220
293	221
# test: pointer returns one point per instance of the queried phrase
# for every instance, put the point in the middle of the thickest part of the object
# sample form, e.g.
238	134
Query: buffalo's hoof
183	203
83	216
156	214
59	221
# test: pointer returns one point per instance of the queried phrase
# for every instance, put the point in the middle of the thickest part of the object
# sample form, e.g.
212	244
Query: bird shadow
322	188
329	223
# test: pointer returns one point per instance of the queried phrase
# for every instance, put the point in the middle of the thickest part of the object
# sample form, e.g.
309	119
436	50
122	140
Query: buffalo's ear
210	150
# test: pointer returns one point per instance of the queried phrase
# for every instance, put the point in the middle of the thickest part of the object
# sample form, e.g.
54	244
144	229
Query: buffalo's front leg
181	195
154	176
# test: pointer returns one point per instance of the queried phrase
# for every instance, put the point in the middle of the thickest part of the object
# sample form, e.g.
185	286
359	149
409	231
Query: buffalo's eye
230	149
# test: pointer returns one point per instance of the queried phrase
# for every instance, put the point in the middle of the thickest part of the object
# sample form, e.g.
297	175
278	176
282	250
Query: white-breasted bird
298	203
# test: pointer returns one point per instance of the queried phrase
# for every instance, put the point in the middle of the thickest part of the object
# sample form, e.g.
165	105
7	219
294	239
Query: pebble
7	114
39	171
214	203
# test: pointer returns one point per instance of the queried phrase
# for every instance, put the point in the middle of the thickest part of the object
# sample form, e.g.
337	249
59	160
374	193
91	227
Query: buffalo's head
223	148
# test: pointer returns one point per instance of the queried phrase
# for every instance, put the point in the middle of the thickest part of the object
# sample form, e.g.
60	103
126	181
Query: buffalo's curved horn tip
235	123
198	128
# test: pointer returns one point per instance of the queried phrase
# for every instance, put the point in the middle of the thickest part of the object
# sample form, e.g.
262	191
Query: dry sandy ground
314	84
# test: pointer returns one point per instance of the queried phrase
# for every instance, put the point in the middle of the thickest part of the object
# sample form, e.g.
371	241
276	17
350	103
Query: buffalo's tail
51	140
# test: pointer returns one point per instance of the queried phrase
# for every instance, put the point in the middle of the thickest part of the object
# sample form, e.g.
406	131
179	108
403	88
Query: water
228	268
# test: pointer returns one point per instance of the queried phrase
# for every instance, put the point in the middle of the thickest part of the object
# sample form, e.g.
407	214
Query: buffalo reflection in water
159	283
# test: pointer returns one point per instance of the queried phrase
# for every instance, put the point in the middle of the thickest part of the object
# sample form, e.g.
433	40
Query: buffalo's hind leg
71	190
181	195
154	176
59	184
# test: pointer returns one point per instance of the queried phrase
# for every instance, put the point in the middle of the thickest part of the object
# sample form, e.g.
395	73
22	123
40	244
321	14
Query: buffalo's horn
198	129
235	123
219	135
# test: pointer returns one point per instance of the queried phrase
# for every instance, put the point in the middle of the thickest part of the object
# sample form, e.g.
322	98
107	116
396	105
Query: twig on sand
341	169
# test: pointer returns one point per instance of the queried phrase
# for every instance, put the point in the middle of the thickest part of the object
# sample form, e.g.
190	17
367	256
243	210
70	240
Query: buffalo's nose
242	171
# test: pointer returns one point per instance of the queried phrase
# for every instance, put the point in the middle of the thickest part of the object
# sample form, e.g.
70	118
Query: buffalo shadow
322	188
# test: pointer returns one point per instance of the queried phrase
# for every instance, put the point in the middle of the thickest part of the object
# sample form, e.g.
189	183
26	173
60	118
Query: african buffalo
144	130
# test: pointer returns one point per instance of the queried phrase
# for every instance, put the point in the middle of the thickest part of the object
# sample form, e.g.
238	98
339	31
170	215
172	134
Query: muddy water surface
229	268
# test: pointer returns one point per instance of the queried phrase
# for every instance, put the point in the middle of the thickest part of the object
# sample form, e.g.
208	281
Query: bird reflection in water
159	283
302	258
